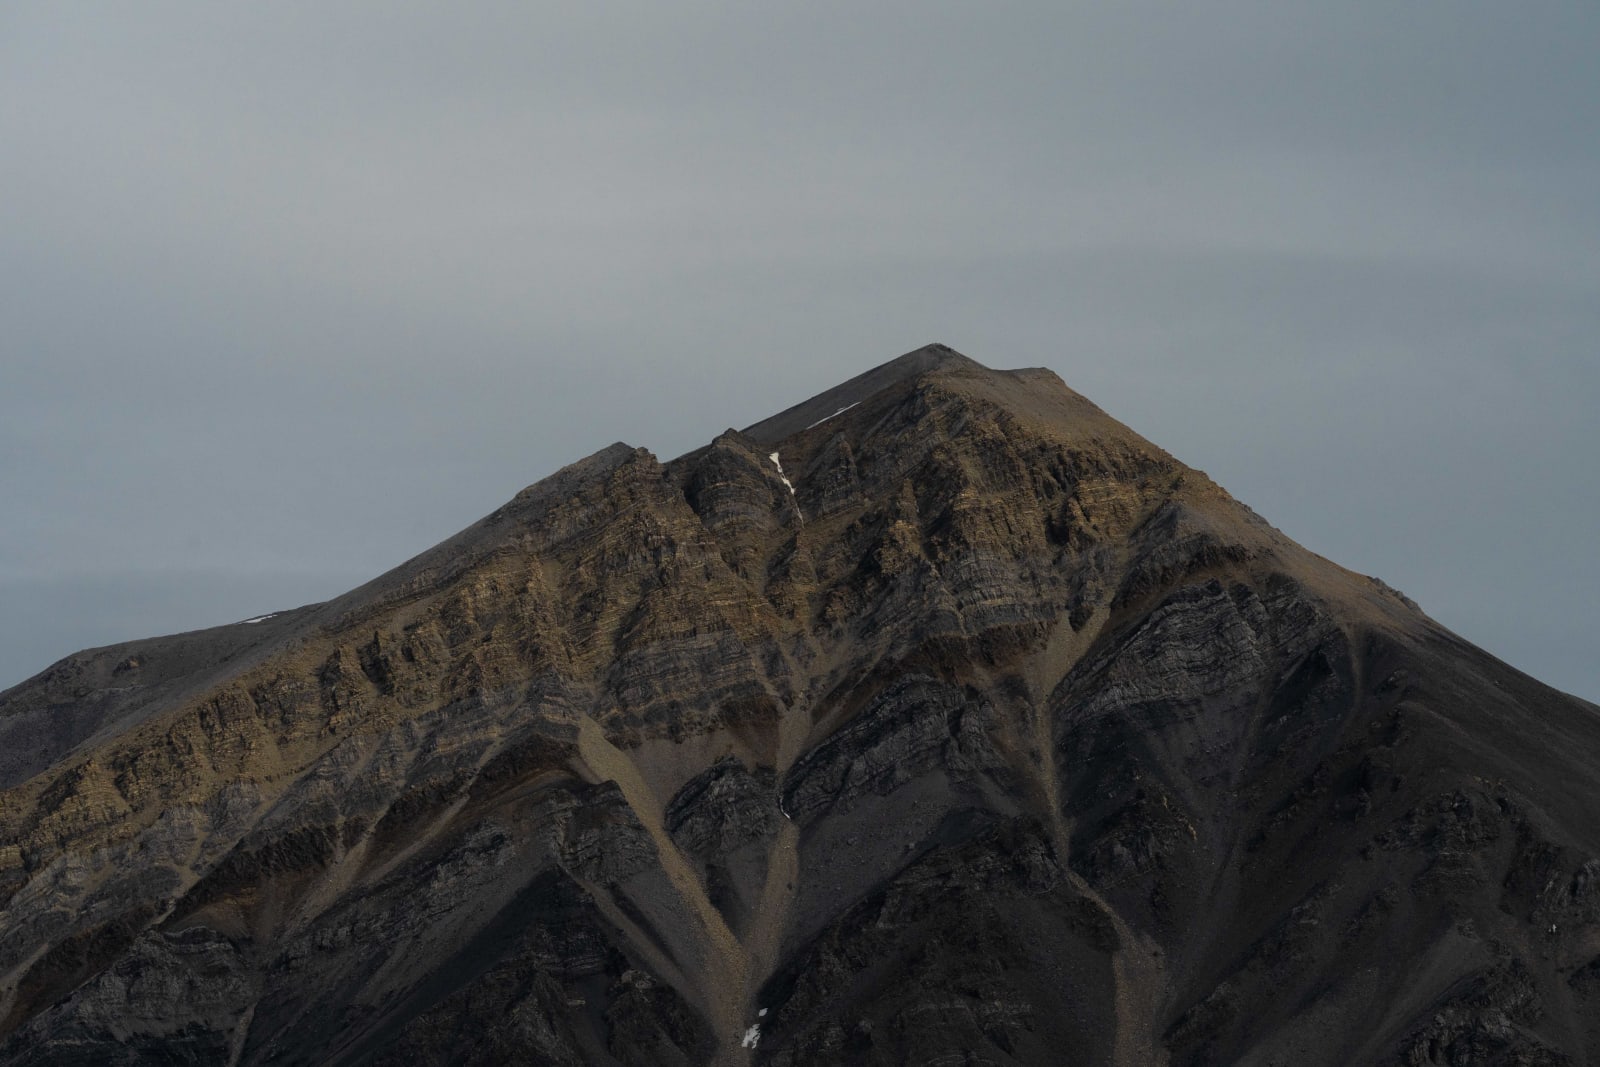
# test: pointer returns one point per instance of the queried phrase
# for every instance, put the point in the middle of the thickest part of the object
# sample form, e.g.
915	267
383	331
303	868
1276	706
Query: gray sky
290	292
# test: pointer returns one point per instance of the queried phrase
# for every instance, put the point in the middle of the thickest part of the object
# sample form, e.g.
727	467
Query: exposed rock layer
980	731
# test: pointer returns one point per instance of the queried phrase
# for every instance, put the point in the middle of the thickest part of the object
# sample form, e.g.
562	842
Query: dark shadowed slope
938	719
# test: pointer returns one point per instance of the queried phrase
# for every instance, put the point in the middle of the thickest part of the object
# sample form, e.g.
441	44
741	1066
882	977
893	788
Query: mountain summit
937	719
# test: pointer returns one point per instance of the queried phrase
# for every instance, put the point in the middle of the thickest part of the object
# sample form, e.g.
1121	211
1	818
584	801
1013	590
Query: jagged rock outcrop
939	719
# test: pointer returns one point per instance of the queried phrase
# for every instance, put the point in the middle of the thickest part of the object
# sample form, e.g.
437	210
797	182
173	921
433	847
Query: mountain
939	719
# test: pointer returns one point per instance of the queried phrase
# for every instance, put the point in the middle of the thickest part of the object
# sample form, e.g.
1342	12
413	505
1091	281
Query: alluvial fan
938	719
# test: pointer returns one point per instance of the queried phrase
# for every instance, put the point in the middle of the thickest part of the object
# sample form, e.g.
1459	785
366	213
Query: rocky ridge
938	719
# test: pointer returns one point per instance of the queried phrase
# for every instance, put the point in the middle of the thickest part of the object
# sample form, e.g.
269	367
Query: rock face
937	720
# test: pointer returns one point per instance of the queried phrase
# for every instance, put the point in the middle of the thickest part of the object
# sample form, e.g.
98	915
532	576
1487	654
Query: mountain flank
937	719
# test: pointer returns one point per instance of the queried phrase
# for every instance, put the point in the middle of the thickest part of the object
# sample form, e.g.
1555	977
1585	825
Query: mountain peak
925	360
937	718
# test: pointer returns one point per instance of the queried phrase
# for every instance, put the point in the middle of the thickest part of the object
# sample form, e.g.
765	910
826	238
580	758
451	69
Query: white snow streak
260	618
774	457
751	1036
835	415
775	463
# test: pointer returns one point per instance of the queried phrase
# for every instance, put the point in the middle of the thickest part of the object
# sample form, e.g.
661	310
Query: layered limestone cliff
939	719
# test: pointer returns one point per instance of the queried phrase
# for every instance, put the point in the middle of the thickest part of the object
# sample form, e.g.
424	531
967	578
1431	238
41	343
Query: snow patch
774	457
259	618
752	1036
762	1014
835	415
775	463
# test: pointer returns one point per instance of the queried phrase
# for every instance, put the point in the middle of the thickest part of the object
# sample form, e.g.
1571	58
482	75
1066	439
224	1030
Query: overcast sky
289	292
